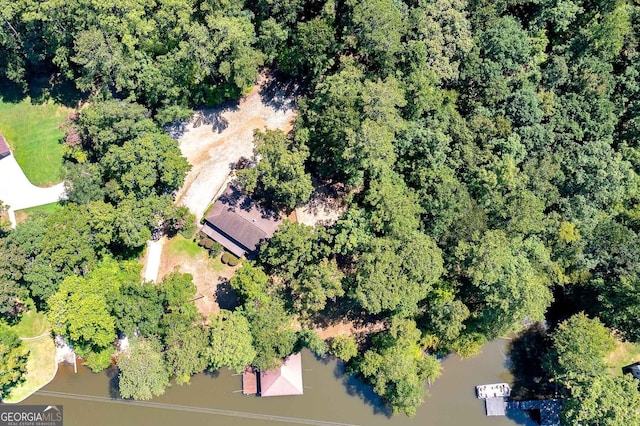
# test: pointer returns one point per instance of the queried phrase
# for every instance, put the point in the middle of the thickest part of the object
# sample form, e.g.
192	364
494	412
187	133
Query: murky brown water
328	399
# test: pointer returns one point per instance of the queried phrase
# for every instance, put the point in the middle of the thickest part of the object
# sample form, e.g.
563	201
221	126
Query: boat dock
549	409
494	396
496	403
249	381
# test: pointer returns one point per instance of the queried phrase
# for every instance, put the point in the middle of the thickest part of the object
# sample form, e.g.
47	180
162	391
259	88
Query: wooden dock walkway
249	381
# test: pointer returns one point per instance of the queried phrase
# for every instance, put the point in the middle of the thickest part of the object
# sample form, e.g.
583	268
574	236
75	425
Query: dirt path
215	139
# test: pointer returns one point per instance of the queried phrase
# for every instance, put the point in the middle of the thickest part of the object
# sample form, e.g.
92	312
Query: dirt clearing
210	276
215	139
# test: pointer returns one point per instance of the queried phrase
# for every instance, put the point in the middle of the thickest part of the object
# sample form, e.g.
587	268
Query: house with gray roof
238	223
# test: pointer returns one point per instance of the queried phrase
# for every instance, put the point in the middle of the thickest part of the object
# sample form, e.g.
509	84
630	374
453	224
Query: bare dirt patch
325	206
215	139
210	276
349	328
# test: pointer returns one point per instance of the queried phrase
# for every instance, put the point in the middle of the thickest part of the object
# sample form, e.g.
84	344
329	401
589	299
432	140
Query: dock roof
286	380
495	406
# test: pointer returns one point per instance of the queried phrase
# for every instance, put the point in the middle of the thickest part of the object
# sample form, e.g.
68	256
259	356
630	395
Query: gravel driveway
215	139
19	193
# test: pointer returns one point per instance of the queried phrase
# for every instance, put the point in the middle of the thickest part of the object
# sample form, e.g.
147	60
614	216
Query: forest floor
349	328
210	275
217	138
325	206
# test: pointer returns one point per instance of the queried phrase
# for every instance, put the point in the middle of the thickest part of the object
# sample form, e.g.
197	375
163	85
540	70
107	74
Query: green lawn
33	132
22	215
41	368
41	365
32	324
624	354
180	246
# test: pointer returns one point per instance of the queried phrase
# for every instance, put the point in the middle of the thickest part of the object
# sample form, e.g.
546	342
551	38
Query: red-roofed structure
286	380
4	147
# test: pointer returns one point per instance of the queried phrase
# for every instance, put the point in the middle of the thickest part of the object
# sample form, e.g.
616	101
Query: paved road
19	193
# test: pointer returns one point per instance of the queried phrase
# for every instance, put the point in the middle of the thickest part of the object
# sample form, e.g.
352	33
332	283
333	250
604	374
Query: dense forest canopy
489	150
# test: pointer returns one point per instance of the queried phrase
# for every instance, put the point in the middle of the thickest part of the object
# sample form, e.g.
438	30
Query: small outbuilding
4	147
238	223
285	380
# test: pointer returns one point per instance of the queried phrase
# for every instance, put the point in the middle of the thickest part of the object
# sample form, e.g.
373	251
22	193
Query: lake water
329	399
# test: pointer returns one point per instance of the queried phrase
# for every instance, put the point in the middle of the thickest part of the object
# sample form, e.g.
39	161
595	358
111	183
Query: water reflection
330	398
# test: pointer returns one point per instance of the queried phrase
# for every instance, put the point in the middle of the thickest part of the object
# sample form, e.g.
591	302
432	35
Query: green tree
137	307
143	371
311	340
379	27
151	164
580	345
344	347
273	335
394	274
12	300
231	341
397	367
13	359
315	286
111	123
186	353
505	281
291	247
279	176
604	400
79	310
251	284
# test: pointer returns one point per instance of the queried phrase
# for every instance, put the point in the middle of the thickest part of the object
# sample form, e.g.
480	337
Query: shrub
344	347
233	260
310	339
208	243
215	250
225	258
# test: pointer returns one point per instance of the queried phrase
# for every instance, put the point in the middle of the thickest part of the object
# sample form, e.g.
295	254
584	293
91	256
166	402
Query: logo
30	415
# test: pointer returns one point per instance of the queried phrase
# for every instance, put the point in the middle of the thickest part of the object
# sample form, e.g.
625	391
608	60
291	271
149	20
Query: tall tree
143	371
397	367
279	176
13	359
231	341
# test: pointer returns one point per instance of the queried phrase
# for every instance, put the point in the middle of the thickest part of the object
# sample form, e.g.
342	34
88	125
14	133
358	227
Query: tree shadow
225	296
355	387
114	382
213	117
42	89
280	91
11	92
526	351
